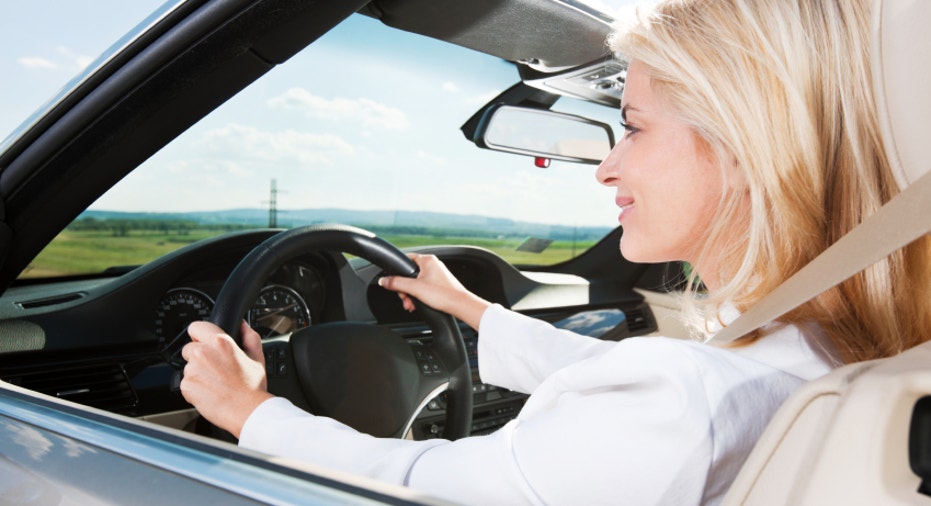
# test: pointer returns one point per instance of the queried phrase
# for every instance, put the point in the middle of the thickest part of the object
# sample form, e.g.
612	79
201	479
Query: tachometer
278	310
177	309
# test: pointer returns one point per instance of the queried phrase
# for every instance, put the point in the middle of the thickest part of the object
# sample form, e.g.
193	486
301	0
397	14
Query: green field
92	251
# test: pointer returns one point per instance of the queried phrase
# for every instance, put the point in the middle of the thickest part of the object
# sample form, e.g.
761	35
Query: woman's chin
636	251
630	250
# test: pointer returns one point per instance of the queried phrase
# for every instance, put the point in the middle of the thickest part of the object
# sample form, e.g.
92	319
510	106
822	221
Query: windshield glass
41	62
360	128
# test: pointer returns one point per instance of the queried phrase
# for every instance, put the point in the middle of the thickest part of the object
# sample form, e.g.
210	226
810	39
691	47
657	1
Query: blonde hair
780	91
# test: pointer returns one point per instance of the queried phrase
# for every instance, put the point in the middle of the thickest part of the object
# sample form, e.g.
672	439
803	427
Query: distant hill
400	221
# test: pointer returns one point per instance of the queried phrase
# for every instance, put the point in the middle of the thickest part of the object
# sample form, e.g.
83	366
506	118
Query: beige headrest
902	81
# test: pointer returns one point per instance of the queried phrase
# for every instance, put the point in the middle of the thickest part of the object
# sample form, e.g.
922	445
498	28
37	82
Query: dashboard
104	341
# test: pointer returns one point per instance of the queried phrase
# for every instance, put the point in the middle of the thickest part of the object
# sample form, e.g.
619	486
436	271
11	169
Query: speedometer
278	310
177	309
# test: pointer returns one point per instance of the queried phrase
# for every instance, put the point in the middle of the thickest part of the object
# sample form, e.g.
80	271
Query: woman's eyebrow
625	108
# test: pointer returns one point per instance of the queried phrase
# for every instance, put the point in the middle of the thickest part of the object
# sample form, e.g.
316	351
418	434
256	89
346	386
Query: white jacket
640	421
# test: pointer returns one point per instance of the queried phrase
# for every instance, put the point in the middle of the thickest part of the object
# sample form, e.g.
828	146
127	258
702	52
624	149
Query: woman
751	145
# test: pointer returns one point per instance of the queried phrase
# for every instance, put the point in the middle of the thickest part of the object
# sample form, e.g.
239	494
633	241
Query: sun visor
902	77
551	35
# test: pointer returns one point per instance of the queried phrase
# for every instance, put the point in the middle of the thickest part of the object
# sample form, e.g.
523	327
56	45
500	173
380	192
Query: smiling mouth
625	206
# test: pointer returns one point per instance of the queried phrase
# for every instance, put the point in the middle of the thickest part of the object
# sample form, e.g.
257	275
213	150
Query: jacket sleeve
518	352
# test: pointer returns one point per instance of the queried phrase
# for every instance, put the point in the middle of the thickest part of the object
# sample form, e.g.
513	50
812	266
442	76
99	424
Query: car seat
862	433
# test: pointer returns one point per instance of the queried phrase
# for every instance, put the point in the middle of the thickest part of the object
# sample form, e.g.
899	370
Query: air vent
638	321
104	386
50	301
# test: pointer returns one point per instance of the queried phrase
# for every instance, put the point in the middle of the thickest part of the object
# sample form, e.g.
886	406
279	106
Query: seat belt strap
906	217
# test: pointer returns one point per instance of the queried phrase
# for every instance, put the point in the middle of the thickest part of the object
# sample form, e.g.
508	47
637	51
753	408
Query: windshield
360	128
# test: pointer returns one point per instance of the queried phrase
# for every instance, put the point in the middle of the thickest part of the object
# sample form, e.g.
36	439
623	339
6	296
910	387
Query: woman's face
666	187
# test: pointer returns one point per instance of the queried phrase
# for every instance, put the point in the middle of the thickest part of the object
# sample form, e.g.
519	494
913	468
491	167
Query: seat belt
906	217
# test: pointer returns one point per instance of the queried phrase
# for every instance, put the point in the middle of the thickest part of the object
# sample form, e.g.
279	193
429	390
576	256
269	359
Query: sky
302	131
37	59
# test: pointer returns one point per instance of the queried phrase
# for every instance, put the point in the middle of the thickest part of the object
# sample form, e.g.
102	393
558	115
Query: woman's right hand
436	287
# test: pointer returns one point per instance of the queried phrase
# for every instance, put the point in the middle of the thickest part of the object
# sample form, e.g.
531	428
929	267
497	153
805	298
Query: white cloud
450	87
286	147
65	59
369	112
484	98
36	62
200	170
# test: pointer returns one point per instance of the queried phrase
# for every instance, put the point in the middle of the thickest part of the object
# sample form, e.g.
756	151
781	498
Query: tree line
122	227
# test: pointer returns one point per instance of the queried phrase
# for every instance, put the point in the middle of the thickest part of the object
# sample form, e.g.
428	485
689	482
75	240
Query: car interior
110	340
106	345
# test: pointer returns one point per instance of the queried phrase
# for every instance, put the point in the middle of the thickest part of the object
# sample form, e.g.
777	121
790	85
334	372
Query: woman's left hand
224	382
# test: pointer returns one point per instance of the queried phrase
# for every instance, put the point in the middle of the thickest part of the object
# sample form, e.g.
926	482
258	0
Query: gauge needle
269	312
275	321
277	324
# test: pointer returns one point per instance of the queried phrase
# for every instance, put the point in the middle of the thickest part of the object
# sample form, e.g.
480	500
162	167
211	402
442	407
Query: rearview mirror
544	134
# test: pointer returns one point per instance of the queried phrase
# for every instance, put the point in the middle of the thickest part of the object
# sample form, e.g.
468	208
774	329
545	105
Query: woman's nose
608	170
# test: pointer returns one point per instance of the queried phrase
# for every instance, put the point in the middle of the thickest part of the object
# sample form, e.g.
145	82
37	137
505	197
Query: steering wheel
361	374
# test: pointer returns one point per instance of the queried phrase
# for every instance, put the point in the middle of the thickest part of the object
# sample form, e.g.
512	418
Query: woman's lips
626	204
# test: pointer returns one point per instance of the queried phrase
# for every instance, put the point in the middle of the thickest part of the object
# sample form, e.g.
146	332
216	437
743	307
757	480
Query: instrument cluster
287	303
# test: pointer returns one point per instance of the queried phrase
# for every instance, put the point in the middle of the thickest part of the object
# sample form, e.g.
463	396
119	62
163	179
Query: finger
252	343
202	330
398	284
407	302
188	352
386	282
422	260
391	283
186	389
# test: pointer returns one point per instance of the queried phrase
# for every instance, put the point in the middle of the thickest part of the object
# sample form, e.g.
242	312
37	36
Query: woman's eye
628	129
